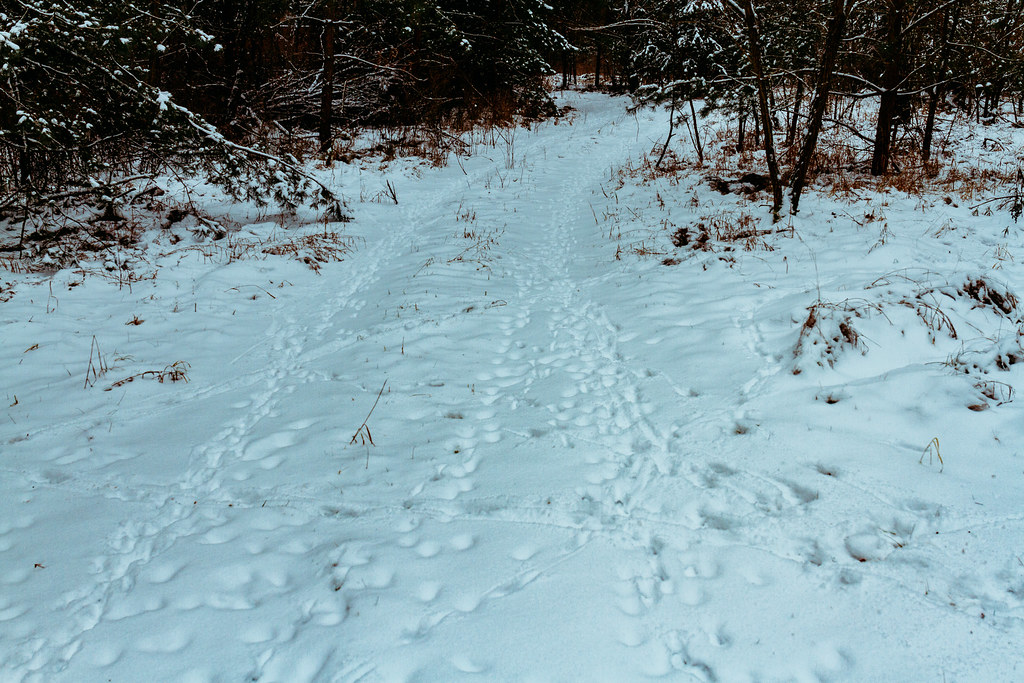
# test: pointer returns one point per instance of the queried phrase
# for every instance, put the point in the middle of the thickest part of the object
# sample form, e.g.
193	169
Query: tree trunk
798	99
822	87
24	163
597	68
757	125
234	95
671	132
327	87
696	134
993	95
882	153
929	124
938	90
754	54
891	78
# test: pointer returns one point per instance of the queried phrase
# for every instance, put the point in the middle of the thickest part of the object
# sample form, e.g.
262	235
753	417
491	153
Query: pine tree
82	108
676	58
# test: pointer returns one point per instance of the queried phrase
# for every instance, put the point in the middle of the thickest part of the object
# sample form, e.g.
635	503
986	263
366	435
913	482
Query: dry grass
830	328
976	166
455	135
934	318
726	228
932	449
466	215
314	249
175	372
991	295
478	251
644	170
97	366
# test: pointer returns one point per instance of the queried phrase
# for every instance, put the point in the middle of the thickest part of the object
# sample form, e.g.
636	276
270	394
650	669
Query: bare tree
891	53
754	54
326	132
822	89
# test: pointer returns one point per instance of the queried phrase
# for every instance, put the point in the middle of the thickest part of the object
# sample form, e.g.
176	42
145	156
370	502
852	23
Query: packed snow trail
568	475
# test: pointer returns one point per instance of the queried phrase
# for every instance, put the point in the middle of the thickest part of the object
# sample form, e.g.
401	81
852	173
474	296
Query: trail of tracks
532	478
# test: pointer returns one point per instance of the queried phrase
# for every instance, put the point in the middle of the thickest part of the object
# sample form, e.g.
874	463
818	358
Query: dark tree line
93	93
786	64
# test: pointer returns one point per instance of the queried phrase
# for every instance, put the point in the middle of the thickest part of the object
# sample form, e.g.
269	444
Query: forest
98	95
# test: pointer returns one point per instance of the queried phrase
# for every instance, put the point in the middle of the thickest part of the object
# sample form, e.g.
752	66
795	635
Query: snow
585	464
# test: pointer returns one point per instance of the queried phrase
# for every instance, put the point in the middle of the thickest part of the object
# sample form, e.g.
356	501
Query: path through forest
581	466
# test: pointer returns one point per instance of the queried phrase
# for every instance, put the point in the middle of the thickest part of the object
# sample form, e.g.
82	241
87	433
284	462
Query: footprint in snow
428	549
462	542
368	576
265	446
629	602
103	655
256	633
167	642
407	524
631	634
525	552
866	547
691	593
453	489
469	665
428	591
219	536
467	603
9	611
162	571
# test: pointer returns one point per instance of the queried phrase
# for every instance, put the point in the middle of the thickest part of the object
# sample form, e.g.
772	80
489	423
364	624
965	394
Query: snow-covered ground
595	455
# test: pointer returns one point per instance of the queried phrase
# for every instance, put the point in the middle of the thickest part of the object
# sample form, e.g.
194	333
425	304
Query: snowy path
582	468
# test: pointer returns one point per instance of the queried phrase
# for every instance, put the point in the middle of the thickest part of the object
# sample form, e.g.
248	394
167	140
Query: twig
746	234
97	369
990	201
932	447
363	427
238	289
175	372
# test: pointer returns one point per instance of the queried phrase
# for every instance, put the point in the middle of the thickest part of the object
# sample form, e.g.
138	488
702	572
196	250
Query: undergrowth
978	317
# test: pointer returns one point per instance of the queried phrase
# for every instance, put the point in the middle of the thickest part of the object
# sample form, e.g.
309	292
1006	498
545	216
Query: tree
892	57
326	132
81	111
822	90
752	31
674	59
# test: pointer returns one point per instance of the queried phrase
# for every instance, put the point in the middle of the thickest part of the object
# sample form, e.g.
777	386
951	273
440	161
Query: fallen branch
175	372
747	234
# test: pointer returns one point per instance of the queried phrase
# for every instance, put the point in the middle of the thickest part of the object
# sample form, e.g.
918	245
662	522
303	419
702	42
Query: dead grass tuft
725	228
829	329
994	296
314	249
175	372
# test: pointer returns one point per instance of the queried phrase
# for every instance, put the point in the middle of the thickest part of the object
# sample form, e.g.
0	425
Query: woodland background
96	95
